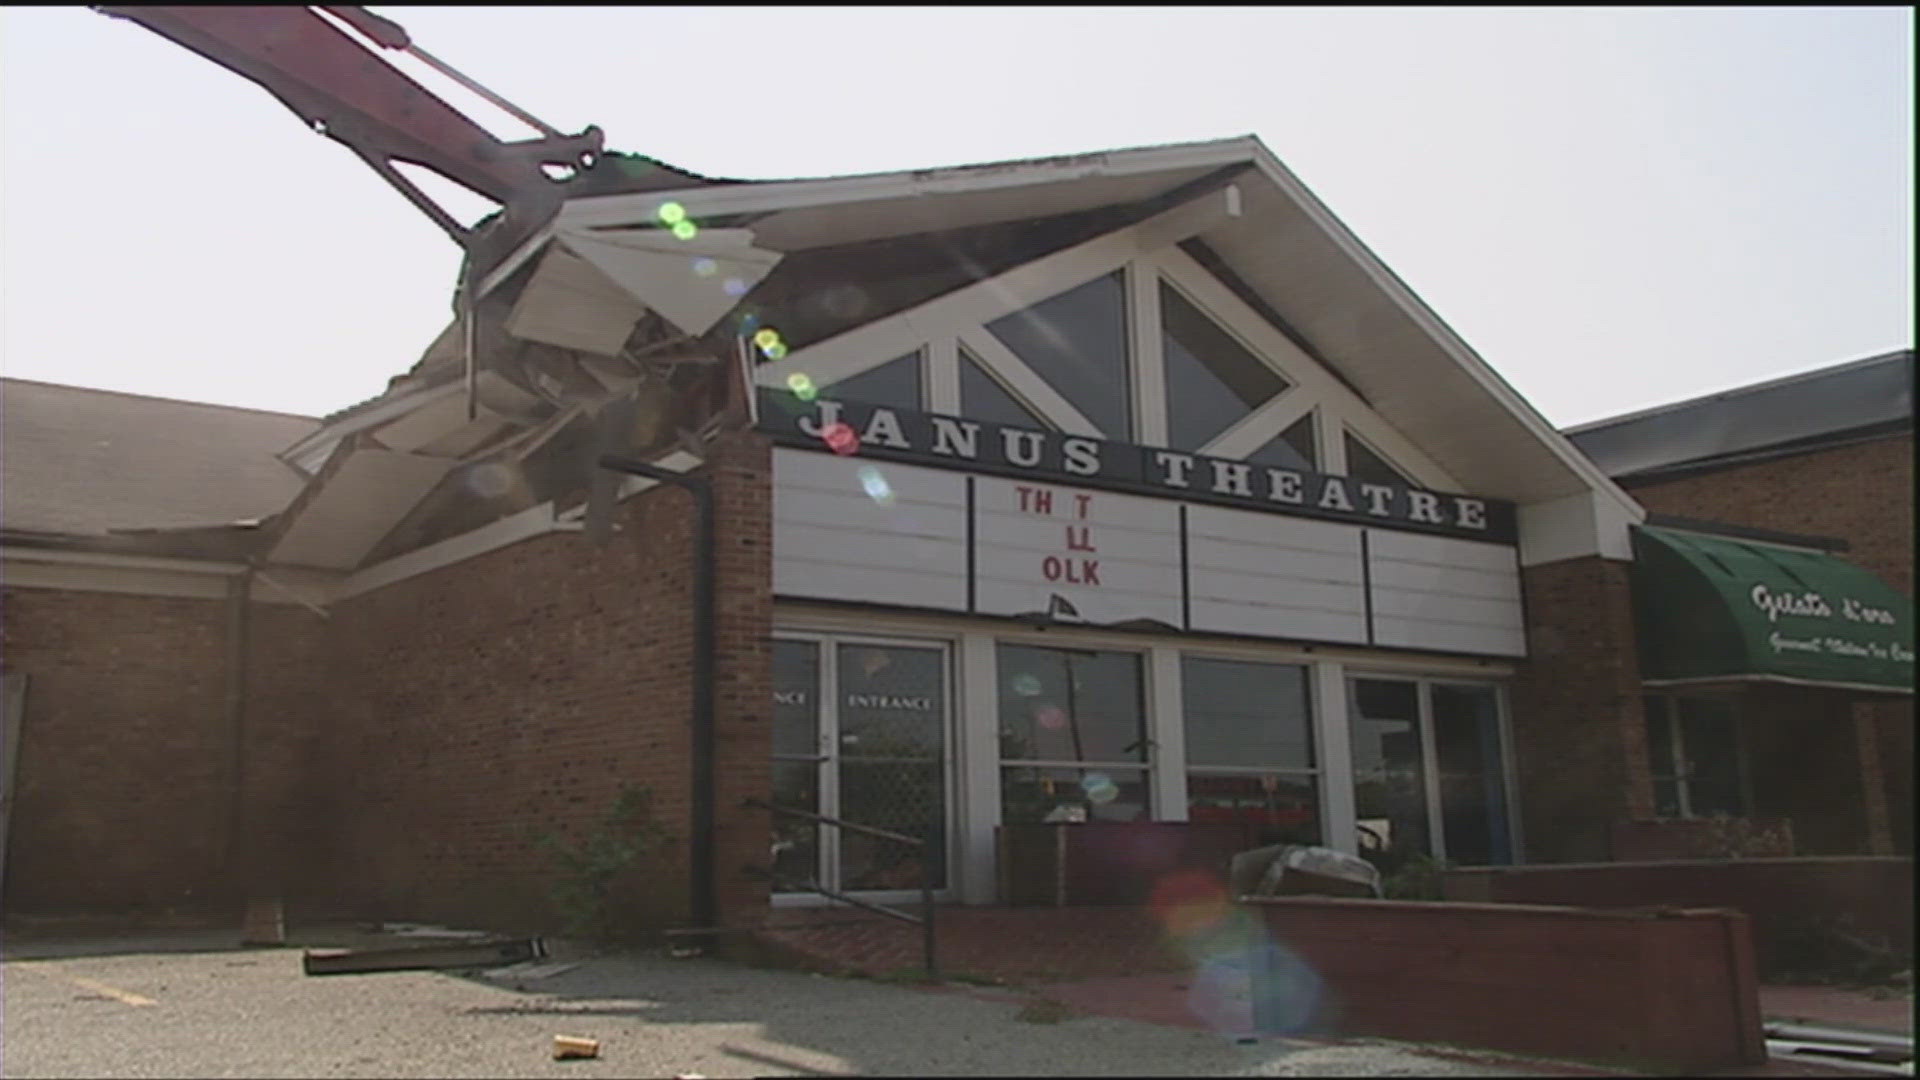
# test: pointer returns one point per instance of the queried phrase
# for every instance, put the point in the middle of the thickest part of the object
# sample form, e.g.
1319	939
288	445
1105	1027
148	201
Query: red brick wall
123	751
486	703
1782	896
1861	493
1661	994
126	765
1579	736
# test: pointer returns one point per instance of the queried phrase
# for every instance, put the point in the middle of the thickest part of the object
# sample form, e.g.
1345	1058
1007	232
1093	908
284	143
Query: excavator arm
345	91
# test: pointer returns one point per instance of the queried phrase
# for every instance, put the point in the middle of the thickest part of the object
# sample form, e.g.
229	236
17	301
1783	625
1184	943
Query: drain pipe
704	900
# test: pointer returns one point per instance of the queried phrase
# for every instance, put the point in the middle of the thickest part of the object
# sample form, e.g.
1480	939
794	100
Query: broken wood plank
464	954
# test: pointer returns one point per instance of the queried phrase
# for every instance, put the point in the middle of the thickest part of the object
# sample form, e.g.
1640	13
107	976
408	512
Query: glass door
861	734
1429	771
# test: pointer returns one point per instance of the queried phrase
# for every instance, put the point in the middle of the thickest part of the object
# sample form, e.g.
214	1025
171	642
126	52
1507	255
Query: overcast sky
1615	207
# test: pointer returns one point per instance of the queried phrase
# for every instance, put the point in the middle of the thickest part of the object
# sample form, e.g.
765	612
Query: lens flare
685	230
840	439
672	213
876	486
1053	718
765	337
802	386
1100	788
733	286
705	267
777	351
1028	685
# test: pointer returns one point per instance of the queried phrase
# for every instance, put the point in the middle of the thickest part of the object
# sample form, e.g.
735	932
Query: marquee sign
952	442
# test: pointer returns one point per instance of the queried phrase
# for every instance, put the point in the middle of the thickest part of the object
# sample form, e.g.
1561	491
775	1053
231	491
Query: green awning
1714	609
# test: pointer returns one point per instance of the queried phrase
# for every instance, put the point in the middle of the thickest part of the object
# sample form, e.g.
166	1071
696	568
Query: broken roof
79	461
1793	414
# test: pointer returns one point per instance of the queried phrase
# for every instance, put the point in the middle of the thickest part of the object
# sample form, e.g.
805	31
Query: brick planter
1672	990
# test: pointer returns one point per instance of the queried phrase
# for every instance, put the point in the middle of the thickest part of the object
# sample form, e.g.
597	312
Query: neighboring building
1816	462
1122	486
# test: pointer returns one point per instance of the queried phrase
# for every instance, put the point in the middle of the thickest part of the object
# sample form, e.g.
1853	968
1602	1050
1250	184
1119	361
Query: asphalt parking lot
186	1004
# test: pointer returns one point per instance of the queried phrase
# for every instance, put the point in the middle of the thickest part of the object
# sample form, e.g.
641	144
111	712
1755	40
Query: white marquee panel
1432	592
833	540
1274	576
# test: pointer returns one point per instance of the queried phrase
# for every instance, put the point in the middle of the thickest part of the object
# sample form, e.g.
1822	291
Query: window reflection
1077	342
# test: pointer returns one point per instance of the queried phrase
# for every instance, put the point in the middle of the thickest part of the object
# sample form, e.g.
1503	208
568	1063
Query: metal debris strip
1871	1052
443	955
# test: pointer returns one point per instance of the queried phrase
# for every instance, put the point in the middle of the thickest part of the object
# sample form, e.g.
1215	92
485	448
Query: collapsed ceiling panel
370	492
573	305
691	282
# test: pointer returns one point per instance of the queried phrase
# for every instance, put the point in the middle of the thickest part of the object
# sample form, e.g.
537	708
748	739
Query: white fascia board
1456	349
1575	526
311	452
120	562
529	523
605	211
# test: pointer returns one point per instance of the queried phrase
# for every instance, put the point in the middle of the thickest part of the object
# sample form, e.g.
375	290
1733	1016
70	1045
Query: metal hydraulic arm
345	91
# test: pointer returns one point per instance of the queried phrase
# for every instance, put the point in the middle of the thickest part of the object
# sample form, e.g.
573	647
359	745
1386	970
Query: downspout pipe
239	630
704	901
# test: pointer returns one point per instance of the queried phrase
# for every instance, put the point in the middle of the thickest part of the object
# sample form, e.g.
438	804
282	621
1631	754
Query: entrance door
861	734
1429	771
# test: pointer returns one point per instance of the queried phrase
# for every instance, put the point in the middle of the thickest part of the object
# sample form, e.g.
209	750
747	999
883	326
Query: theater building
1112	488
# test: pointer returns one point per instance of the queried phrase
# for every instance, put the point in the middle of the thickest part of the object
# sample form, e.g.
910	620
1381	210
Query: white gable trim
1263	425
1338	404
868	346
605	211
1026	384
1456	349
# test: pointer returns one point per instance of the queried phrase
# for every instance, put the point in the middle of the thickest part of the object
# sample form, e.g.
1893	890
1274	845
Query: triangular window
894	384
1077	342
1368	467
1212	380
983	398
1291	449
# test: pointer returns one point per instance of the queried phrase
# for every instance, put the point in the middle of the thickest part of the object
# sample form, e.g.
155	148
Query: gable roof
1797	413
79	461
1336	298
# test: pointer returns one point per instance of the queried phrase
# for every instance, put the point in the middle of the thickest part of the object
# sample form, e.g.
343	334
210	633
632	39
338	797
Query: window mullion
1430	767
1149	361
943	376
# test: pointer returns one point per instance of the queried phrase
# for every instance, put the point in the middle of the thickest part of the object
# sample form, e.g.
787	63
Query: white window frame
1317	772
1682	777
1146	254
826	642
1150	764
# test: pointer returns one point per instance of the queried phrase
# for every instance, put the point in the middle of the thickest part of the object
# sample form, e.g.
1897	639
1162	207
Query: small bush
588	873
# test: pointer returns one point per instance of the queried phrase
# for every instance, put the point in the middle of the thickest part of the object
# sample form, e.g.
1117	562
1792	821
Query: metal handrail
924	921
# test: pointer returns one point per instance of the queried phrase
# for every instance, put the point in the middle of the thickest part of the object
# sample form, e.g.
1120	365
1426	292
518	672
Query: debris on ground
440	955
574	1046
530	970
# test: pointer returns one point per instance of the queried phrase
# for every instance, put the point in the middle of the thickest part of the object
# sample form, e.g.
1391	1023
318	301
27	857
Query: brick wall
1672	993
1579	732
1861	493
123	751
127	754
487	703
1782	896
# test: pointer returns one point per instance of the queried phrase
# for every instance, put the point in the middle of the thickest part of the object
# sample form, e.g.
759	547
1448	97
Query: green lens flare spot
766	337
672	213
776	351
685	230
